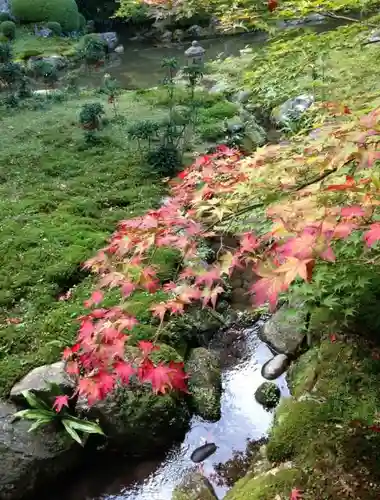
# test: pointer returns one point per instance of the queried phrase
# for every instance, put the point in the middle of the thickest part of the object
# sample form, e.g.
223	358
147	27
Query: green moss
266	486
218	111
27	44
166	260
211	131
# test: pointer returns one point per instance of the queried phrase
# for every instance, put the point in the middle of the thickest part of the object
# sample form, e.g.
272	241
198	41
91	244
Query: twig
346	18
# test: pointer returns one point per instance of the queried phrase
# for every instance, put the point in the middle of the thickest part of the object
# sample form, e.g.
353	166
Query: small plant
45	70
90	120
5	52
92	50
111	87
82	22
42	414
165	159
55	28
268	395
146	130
8	29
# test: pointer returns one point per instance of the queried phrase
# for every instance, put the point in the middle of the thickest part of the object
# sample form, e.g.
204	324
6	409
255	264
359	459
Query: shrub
64	12
92	49
211	131
82	21
55	27
165	160
5	53
8	29
4	16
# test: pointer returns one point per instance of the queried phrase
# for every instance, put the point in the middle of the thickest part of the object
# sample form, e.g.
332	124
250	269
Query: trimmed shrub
82	21
55	27
64	12
8	29
4	16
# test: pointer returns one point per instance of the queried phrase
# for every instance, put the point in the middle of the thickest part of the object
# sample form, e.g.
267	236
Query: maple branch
261	204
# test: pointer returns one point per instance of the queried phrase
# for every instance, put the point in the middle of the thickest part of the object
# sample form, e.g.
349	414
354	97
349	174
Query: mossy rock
204	383
268	395
194	487
266	486
142	422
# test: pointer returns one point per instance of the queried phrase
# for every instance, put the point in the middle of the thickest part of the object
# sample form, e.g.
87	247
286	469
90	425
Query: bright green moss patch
267	486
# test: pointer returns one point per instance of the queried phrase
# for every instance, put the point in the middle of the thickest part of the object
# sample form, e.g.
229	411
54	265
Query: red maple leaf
272	5
372	235
128	322
124	371
294	267
96	298
248	243
208	277
349	184
178	376
147	347
352	211
159	310
159	376
295	494
127	288
267	289
60	402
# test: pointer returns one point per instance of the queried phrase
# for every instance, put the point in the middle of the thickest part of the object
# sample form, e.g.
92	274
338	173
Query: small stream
241	354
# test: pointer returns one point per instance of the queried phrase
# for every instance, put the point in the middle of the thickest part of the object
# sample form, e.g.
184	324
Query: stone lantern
195	54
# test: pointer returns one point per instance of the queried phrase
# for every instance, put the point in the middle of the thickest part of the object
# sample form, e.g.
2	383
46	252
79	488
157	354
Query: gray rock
234	125
111	39
119	49
241	97
4	6
38	381
194	31
268	395
166	36
205	384
374	37
219	88
178	35
194	487
284	332
275	367
292	109
31	459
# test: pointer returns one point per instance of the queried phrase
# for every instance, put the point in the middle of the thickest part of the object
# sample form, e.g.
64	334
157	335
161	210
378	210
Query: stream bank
325	439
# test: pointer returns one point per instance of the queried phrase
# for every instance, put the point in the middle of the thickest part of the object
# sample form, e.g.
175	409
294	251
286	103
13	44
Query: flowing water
242	354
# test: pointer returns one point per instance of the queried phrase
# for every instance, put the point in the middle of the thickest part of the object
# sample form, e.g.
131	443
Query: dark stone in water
203	452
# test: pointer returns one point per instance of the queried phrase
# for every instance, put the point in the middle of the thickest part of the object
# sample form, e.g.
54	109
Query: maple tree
315	198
